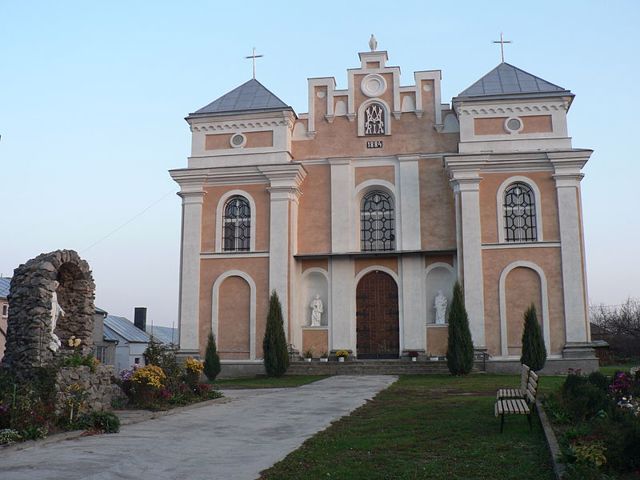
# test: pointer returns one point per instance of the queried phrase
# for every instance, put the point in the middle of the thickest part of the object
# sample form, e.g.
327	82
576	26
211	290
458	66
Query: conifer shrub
274	345
459	344
534	353
211	359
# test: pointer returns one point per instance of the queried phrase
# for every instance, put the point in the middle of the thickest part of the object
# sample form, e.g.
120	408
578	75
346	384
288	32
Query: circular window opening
238	140
513	124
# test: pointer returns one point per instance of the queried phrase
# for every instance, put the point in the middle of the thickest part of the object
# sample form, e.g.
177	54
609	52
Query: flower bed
597	421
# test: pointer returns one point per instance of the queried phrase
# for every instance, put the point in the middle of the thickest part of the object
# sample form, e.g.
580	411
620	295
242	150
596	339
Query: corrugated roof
165	335
249	96
110	336
4	286
506	79
125	328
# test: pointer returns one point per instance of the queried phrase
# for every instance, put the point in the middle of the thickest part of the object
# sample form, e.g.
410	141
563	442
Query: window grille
236	224
377	229
520	214
374	120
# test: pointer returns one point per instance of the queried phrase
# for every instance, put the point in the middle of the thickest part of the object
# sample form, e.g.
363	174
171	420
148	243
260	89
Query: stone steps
371	367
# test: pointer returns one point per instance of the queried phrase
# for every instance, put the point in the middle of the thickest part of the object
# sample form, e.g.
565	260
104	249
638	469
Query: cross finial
502	41
253	56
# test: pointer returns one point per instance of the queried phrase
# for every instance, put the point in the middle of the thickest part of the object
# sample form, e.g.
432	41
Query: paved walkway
234	440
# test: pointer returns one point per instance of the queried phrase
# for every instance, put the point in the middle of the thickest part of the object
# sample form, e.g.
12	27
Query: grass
263	381
611	369
435	427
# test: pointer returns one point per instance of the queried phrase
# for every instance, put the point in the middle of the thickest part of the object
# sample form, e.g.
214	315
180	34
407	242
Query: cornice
558	161
523	108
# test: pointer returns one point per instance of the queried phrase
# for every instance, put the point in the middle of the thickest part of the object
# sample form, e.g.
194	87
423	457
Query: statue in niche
56	312
440	306
316	311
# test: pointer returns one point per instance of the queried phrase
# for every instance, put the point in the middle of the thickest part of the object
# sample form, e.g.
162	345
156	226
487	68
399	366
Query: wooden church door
377	321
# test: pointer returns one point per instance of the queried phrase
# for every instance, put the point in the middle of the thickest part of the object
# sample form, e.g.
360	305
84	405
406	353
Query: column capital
465	180
191	196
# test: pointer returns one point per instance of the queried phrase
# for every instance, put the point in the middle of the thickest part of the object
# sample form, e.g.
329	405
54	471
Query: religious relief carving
317	308
374	120
440	306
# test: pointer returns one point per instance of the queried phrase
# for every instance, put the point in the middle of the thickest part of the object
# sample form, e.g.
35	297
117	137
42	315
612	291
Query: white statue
373	43
316	311
440	305
56	312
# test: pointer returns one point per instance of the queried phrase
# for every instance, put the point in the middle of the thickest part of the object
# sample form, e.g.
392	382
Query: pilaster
414	315
466	185
409	200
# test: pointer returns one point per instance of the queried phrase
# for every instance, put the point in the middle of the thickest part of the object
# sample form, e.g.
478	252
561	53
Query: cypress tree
274	345
534	353
459	343
211	359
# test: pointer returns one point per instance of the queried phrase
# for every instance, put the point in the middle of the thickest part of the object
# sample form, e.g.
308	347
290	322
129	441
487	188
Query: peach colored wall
437	340
210	229
315	340
437	208
3	327
409	134
314	211
548	259
211	269
234	302
362	263
522	288
489	126
362	174
488	208
315	263
254	140
536	124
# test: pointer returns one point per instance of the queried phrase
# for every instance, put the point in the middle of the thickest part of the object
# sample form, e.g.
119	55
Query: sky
93	97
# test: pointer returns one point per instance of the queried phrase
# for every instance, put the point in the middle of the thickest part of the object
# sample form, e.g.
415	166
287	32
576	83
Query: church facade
362	214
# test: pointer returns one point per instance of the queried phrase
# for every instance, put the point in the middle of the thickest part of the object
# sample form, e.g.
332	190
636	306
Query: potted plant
413	355
308	356
341	355
324	357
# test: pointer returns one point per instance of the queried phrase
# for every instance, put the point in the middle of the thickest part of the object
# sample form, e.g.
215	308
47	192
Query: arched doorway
377	324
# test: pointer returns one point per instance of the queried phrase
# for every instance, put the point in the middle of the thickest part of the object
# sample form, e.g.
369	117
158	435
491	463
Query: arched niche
314	282
439	276
29	325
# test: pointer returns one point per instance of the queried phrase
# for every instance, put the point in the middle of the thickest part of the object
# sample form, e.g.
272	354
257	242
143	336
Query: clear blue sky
93	96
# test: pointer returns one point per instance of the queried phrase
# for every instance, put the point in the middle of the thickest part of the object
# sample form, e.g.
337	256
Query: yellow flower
77	342
194	366
150	375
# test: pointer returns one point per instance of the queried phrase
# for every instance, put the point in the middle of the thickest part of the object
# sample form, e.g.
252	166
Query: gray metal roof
506	79
125	329
109	335
4	287
249	96
166	335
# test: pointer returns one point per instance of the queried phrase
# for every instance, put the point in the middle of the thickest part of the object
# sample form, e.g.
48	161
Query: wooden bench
516	392
519	406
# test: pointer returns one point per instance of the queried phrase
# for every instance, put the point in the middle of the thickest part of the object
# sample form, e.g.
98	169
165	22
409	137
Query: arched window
236	225
520	213
374	120
377	226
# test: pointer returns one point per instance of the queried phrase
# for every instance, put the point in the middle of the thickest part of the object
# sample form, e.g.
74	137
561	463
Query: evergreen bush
211	359
274	345
534	353
459	344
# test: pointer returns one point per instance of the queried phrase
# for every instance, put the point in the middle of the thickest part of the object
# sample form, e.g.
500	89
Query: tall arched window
377	222
236	225
374	120
520	213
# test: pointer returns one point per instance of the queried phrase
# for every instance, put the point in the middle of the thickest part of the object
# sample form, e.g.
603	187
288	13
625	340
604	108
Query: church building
362	213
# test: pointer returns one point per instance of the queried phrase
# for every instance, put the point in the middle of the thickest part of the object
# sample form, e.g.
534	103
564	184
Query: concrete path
234	440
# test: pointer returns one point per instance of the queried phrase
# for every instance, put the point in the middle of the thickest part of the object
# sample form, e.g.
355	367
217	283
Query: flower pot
413	359
307	360
341	359
324	360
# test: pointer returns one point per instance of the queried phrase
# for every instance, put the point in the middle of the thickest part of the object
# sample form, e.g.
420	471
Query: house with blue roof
131	341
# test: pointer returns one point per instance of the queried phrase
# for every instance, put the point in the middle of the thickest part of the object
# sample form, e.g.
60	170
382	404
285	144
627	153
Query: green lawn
263	381
433	426
611	369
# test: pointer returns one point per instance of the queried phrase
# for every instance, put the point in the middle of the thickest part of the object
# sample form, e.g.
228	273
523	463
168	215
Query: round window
513	124
238	140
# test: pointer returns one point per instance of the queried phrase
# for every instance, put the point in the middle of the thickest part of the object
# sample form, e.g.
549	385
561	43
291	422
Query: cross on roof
502	41
253	56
